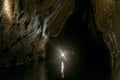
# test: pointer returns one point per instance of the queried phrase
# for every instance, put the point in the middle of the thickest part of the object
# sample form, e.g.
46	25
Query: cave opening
81	35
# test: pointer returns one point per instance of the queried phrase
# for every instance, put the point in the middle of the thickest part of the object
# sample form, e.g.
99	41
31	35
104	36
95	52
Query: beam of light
7	8
62	69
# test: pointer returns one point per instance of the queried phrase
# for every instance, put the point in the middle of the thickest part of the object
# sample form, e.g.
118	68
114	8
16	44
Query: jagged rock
107	18
25	26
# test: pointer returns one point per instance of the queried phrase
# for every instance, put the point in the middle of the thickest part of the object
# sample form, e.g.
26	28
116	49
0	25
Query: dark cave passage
92	59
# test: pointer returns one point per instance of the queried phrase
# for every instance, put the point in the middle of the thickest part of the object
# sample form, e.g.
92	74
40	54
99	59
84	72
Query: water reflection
62	69
42	72
55	67
35	71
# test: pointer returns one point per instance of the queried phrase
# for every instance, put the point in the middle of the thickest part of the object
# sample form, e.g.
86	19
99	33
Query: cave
59	40
80	34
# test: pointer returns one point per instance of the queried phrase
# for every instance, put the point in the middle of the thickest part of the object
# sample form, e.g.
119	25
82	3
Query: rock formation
106	13
25	26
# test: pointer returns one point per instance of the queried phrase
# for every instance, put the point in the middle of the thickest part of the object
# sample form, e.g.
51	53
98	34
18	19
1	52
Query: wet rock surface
107	15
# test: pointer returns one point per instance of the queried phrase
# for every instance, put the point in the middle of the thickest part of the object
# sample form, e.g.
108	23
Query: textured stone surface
25	26
107	17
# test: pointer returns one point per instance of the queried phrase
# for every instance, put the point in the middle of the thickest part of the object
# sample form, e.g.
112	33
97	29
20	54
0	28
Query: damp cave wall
25	26
106	13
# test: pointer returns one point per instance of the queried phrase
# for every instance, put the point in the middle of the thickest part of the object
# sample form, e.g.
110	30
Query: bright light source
63	54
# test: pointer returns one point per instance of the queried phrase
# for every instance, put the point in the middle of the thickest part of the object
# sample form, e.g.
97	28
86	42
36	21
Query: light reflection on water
36	71
62	69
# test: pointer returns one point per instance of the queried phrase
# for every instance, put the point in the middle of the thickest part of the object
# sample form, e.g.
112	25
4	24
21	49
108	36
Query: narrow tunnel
81	35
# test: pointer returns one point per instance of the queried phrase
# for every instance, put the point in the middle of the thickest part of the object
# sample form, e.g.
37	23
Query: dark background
92	59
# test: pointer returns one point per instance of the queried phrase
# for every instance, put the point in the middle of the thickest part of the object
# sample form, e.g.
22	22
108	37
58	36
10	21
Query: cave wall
25	27
107	19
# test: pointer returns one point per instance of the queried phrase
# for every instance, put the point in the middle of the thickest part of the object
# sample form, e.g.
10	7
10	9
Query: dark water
46	70
85	64
24	72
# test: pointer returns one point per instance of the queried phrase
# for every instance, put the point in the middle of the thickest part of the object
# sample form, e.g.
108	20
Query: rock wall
25	26
107	19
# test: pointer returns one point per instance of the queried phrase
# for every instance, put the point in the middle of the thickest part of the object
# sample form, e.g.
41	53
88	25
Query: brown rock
26	24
